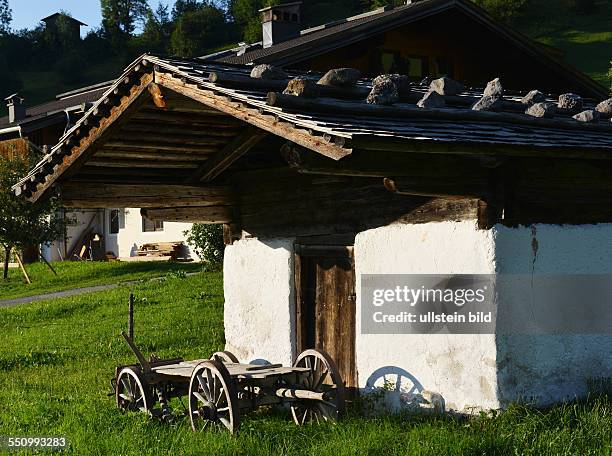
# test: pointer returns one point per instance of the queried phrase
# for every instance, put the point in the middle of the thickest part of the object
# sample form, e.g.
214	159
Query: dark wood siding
325	279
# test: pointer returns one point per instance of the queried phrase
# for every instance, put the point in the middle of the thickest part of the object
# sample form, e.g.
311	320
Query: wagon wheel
132	393
322	378
225	356
212	398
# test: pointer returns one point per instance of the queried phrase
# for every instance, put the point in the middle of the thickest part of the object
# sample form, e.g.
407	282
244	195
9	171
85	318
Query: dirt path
59	294
71	292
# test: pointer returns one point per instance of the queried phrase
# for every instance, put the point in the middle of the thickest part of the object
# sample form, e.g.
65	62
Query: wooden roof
54	16
182	122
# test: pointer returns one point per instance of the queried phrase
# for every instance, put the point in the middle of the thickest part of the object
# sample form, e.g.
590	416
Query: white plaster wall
259	300
58	250
130	236
459	367
548	368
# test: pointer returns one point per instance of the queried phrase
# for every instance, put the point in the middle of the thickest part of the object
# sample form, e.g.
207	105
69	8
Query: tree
246	16
60	37
119	18
199	31
207	242
182	7
6	17
156	32
23	223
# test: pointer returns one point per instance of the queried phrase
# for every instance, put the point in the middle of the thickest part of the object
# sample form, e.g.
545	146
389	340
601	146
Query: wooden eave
147	93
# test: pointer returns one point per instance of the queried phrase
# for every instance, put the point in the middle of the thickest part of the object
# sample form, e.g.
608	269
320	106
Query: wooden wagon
221	389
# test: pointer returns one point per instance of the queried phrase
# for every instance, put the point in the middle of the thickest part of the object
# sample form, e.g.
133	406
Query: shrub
207	242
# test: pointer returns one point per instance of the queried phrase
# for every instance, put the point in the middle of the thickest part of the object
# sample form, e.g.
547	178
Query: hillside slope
585	39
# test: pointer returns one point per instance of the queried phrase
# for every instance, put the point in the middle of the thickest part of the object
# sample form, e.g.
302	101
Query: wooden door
325	291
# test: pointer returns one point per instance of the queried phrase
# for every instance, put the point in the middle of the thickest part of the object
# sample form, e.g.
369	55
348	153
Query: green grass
586	39
57	358
83	274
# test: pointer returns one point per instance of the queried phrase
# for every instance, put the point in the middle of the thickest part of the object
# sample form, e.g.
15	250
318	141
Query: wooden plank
223	159
144	147
157	157
193	214
178	131
117	163
85	195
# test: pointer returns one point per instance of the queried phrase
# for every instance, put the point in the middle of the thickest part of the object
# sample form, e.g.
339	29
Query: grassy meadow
57	358
585	39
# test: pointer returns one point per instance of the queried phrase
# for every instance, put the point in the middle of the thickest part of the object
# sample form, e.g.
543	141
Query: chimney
280	23
16	108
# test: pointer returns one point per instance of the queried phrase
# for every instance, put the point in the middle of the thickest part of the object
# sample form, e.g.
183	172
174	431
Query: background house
61	24
426	38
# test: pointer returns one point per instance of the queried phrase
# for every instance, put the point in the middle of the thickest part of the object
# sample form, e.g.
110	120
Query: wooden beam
157	95
85	195
253	116
156	156
177	131
119	163
223	159
414	186
125	144
207	214
368	163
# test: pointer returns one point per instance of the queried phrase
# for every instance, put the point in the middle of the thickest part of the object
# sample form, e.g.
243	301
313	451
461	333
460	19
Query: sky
28	13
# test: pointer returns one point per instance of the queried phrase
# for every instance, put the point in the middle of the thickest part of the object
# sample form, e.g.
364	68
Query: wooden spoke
219	407
132	393
204	387
322	377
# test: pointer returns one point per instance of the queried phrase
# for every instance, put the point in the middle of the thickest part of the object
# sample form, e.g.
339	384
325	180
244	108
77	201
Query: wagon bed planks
236	370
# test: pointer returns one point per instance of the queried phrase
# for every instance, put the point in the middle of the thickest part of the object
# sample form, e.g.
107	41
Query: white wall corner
259	311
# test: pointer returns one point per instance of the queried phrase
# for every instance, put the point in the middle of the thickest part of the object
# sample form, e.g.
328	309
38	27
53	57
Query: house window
113	221
149	226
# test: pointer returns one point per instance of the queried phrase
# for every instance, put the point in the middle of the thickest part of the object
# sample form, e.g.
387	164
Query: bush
207	242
